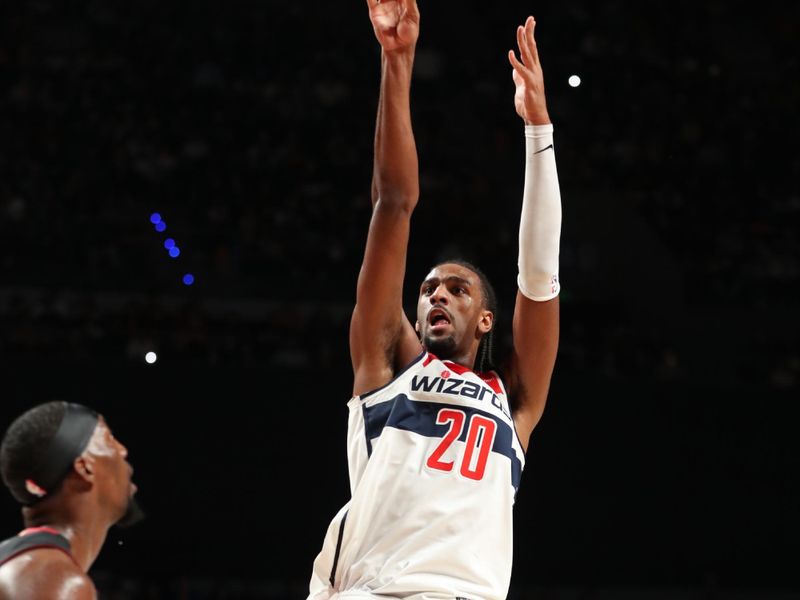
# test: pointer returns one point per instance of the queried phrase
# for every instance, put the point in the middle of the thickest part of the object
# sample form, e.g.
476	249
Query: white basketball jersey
434	464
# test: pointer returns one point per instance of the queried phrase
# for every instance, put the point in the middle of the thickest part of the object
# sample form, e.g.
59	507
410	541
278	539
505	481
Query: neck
465	359
85	534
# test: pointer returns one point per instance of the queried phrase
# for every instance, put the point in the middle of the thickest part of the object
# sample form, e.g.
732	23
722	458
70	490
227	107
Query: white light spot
151	357
574	80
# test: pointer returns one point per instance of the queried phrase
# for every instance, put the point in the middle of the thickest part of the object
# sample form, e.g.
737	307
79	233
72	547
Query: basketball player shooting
437	435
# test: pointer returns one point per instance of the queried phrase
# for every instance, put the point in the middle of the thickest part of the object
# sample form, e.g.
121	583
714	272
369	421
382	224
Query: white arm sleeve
540	222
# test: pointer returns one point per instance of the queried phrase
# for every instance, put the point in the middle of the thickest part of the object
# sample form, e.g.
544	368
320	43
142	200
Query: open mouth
438	319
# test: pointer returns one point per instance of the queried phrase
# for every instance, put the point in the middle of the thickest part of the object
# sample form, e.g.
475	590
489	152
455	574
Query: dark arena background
192	180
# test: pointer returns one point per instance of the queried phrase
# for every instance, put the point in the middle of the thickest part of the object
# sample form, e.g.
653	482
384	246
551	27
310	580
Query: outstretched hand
529	98
396	23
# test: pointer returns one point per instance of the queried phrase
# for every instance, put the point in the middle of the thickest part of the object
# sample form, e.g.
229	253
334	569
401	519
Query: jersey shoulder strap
19	544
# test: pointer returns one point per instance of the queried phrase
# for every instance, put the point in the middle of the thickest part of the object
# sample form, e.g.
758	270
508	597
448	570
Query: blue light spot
161	226
155	218
174	252
169	243
188	279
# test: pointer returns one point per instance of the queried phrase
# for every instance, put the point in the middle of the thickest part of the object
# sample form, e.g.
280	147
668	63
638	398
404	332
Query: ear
84	467
416	327
486	321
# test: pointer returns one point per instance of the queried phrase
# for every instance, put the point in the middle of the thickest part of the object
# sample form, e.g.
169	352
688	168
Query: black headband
69	442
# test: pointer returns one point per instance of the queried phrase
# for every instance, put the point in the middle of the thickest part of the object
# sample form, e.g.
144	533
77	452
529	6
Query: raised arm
536	315
381	338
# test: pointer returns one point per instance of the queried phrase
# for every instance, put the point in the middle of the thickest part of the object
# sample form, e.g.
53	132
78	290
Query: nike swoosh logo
543	149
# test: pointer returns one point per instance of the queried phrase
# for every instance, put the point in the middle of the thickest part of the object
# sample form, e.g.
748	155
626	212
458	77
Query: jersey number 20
480	437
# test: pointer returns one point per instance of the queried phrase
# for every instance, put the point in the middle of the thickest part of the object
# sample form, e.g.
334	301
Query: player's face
114	471
450	310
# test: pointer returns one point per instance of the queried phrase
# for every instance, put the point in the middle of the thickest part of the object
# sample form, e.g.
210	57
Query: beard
442	347
133	514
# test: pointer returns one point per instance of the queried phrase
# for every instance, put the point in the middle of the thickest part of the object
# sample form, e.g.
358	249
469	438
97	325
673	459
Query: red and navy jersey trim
420	417
491	378
31	539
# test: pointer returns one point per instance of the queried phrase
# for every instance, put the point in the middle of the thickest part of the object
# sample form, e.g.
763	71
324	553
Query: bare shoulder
44	573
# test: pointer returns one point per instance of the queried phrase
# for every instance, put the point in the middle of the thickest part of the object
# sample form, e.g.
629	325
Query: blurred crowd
249	127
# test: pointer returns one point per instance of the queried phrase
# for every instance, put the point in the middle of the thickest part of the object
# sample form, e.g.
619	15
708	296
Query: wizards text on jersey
457	387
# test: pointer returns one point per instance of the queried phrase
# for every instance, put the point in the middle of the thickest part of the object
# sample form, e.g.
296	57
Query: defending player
62	463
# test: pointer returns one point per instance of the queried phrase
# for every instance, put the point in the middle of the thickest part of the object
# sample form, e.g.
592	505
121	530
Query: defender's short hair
26	442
